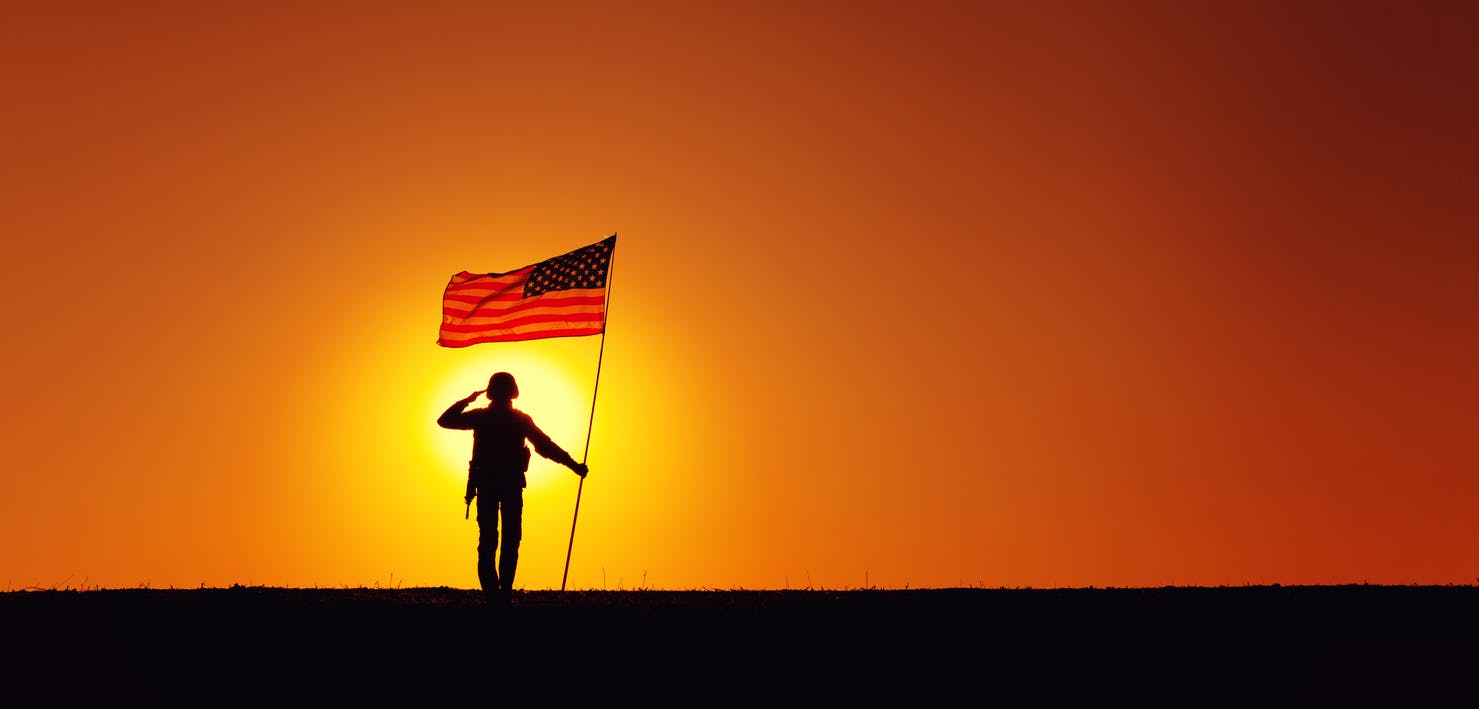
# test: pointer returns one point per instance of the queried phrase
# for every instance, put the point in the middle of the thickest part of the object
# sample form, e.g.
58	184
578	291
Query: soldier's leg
487	546
512	513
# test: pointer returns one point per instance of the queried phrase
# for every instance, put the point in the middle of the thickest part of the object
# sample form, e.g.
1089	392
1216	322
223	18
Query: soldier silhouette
495	476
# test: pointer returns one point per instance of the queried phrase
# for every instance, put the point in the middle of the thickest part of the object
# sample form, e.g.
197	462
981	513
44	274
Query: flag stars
583	268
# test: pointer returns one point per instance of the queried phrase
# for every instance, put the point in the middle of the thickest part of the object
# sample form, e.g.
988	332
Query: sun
547	392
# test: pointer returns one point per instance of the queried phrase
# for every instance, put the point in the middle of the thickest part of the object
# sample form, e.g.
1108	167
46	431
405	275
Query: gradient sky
911	294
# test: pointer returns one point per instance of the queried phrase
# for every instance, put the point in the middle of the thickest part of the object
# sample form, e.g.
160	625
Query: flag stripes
499	307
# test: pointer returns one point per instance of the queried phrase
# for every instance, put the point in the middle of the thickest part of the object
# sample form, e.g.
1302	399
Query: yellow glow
546	392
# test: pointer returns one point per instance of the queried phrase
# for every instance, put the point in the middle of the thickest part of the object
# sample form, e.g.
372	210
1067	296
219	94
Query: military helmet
502	385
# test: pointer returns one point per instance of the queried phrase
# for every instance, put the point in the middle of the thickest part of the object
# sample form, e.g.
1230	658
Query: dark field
1187	646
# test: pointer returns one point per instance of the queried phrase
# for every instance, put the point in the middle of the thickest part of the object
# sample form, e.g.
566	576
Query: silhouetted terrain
1198	646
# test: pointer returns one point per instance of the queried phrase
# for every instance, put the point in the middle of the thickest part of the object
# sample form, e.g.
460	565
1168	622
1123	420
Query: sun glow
547	392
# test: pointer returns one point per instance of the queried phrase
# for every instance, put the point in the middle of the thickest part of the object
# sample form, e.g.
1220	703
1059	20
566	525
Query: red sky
905	295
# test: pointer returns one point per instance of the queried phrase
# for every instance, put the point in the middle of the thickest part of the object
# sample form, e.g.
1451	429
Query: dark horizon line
806	589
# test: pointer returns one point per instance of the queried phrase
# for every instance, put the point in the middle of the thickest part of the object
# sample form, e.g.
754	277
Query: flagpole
610	279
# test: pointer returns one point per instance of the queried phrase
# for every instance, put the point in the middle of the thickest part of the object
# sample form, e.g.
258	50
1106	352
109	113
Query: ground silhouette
1265	644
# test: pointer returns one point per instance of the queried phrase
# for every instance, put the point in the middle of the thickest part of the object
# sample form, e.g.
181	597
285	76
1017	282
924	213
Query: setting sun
547	392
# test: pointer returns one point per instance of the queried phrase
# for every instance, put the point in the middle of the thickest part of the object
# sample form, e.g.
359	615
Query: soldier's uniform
496	476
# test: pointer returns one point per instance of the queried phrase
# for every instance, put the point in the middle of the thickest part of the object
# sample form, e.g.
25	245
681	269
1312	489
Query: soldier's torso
499	456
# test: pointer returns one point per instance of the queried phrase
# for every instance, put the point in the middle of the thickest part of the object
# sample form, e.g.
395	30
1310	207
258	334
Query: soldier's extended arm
549	449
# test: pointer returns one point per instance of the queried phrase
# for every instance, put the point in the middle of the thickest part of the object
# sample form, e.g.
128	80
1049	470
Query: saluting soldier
496	476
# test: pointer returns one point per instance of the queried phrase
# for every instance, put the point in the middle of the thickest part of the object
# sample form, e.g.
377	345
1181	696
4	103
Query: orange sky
905	295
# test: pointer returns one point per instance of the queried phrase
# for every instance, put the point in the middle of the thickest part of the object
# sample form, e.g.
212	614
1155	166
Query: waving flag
561	297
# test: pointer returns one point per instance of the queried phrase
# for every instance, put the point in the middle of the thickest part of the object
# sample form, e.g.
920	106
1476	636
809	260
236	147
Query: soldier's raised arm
454	417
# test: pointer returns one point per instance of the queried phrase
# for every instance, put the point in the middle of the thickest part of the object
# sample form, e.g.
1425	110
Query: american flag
560	297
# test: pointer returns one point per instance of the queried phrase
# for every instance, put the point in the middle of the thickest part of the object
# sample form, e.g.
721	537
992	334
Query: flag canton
581	268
